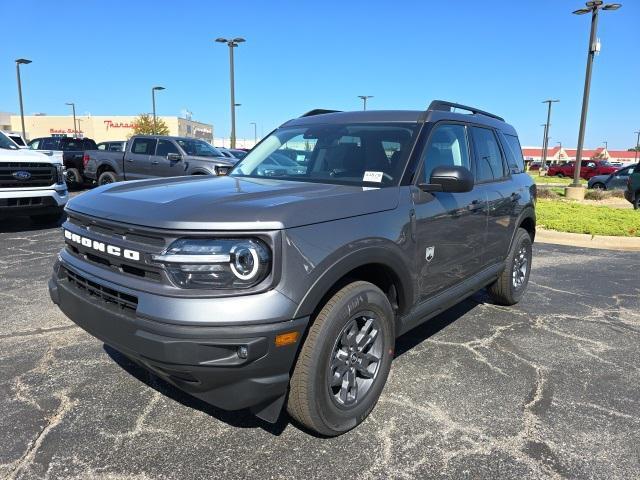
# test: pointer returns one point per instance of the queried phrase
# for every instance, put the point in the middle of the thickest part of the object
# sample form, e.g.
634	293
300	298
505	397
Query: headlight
217	263
59	174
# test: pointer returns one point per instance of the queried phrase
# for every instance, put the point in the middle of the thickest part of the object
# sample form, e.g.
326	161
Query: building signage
63	130
111	124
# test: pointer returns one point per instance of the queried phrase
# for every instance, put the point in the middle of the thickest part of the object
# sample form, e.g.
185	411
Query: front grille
109	296
115	234
27	202
42	175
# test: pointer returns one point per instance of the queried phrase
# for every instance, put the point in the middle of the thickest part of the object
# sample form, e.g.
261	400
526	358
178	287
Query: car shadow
25	224
239	418
244	418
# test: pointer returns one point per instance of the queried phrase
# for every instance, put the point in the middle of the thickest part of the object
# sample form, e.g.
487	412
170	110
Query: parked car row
149	156
72	154
612	181
588	169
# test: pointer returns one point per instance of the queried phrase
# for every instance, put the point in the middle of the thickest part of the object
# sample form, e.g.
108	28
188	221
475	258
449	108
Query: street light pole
545	145
21	61
364	99
232	43
637	146
73	107
153	102
255	133
593	7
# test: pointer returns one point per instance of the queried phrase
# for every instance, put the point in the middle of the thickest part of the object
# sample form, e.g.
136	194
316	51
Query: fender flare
377	255
527	212
199	171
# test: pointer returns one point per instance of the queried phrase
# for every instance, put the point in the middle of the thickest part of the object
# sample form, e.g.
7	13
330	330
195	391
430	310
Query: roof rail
448	106
318	111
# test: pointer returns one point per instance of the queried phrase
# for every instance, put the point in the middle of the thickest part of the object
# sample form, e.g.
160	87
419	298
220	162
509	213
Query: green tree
144	126
634	149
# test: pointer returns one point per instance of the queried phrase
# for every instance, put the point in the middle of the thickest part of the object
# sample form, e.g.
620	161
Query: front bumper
203	361
35	201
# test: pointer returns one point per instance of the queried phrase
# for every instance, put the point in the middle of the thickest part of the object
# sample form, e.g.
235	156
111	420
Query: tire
511	284
106	178
599	186
560	175
73	178
315	399
636	202
48	218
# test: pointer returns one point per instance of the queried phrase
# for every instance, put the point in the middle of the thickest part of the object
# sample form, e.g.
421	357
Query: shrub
595	195
547	193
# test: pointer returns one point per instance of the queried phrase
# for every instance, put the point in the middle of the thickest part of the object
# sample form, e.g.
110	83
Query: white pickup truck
31	184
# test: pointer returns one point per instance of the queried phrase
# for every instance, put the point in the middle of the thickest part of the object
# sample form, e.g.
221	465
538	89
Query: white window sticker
372	177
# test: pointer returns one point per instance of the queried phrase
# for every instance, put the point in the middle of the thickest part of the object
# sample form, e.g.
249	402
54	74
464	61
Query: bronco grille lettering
102	247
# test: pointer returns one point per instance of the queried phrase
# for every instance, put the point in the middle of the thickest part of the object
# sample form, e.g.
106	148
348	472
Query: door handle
155	163
130	160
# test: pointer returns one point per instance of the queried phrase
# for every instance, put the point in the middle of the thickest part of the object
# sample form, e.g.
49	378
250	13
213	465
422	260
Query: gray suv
273	287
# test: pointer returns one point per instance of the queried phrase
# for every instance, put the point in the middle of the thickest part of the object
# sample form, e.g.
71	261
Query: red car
588	169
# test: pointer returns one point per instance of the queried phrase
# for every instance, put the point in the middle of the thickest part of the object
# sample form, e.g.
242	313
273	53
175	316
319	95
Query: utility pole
592	7
153	102
364	99
545	145
255	133
637	145
232	43
73	108
21	61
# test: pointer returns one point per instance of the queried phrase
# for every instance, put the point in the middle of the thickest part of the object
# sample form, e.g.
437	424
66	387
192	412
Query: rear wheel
560	175
344	362
512	283
106	178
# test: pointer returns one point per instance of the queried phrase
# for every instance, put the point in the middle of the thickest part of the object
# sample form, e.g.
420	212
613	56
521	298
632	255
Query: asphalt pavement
546	389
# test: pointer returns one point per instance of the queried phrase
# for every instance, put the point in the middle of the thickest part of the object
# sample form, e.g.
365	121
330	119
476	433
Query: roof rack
318	111
448	106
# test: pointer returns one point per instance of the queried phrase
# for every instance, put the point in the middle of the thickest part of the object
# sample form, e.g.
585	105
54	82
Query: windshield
7	144
198	148
372	154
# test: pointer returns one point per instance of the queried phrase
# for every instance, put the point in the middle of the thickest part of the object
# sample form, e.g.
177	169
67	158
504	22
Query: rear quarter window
514	153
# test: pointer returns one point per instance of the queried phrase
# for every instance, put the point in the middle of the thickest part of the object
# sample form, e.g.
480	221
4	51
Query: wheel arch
377	265
526	220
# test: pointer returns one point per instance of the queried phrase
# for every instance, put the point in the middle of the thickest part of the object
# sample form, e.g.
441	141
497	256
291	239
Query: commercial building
103	127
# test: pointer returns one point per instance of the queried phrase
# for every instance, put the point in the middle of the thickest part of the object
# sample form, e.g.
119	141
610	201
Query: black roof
436	112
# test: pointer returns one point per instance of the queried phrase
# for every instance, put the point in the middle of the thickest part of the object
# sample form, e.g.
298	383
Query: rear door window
165	147
489	162
50	144
144	146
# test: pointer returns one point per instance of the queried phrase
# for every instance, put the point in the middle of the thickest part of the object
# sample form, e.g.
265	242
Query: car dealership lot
548	388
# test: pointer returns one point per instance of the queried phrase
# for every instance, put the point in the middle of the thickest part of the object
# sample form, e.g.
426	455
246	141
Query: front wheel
512	282
344	362
73	178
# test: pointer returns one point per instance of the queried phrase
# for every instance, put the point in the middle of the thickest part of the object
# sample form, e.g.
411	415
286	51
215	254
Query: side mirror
453	179
174	157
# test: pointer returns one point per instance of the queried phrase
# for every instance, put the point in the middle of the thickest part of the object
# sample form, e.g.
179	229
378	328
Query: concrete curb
605	242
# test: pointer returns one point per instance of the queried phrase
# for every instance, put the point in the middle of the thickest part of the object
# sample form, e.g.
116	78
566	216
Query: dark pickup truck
156	156
73	150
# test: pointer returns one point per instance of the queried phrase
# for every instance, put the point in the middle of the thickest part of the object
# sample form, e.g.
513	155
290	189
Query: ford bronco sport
289	286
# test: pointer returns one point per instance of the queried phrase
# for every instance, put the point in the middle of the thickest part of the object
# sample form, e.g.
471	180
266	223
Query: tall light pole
255	133
544	140
637	145
153	101
559	150
232	43
364	99
73	108
545	145
606	144
21	61
592	7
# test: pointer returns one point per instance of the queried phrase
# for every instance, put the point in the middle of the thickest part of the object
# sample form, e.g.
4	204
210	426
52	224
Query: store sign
111	124
58	131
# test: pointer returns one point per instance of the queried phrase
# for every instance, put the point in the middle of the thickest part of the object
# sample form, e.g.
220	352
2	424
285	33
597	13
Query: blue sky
503	56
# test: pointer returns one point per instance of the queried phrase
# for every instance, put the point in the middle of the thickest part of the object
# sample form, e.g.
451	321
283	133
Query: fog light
243	352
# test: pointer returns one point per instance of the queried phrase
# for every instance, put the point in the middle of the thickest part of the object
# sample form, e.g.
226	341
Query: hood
25	155
230	203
